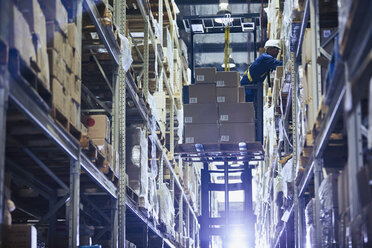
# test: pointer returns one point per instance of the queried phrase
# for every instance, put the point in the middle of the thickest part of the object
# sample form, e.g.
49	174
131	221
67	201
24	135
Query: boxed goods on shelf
60	98
56	66
166	208
306	47
20	34
137	163
98	126
55	38
19	236
310	222
74	112
35	18
329	210
74	88
137	147
55	11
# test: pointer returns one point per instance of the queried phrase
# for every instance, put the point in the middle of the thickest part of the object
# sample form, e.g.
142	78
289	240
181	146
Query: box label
189	140
220	83
220	99
188	119
193	100
225	138
224	117
199	77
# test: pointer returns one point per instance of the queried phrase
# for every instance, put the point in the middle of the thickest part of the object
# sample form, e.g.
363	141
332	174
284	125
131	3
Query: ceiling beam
220	47
211	2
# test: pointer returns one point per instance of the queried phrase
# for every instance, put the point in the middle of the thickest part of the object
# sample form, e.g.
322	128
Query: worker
256	73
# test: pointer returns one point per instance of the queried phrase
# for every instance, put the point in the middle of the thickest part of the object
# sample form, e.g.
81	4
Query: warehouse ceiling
209	48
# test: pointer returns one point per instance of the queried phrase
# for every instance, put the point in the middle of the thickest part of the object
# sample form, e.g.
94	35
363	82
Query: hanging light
225	12
230	63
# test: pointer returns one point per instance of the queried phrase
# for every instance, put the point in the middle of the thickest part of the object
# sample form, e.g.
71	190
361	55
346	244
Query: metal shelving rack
342	92
15	93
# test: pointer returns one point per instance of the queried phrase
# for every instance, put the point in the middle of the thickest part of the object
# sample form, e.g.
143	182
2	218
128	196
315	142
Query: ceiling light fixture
230	63
224	12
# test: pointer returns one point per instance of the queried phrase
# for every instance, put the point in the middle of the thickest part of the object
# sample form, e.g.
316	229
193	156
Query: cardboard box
59	96
306	47
202	93
109	154
241	94
102	145
201	133
205	75
237	132
98	127
236	112
54	10
227	95
68	56
55	66
20	35
76	67
227	79
72	35
200	113
19	236
75	113
55	39
74	87
35	18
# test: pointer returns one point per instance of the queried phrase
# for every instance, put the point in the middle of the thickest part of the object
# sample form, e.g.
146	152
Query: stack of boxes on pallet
307	82
52	50
216	111
64	49
28	27
99	132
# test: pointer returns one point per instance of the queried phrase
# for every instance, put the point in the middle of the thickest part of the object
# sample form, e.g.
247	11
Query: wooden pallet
98	158
29	78
132	195
63	121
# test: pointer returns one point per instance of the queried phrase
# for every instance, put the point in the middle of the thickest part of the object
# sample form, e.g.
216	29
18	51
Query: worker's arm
273	63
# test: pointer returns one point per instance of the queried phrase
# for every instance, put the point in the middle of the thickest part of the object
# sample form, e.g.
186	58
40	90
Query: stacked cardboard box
63	48
19	236
216	111
36	21
99	131
20	34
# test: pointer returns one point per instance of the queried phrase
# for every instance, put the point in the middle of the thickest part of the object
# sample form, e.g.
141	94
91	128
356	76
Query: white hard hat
272	43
